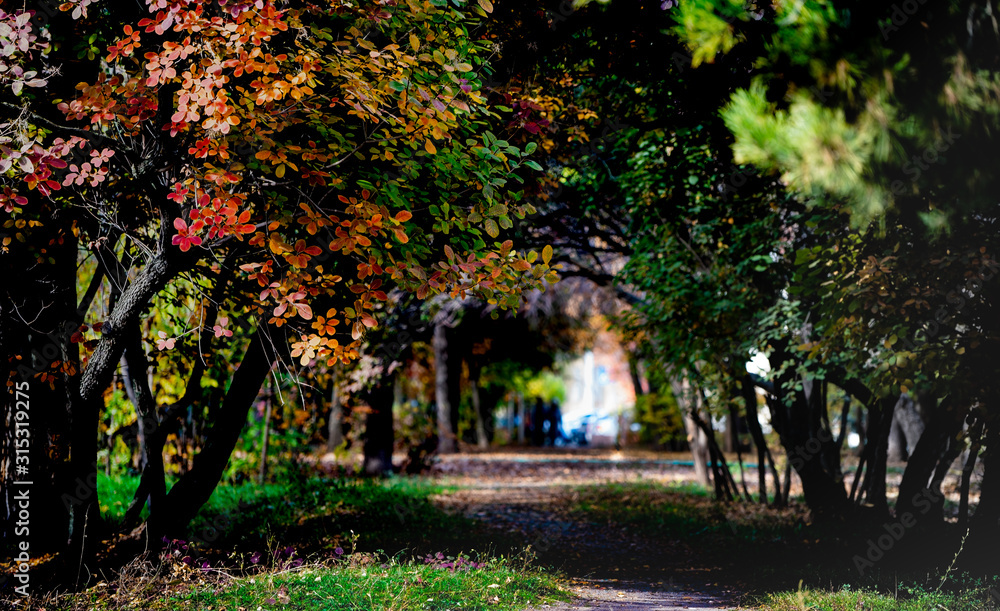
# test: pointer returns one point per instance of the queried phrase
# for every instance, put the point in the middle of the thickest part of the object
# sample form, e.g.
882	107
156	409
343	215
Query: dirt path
624	598
530	497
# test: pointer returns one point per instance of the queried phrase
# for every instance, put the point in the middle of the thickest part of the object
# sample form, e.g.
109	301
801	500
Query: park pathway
621	597
529	496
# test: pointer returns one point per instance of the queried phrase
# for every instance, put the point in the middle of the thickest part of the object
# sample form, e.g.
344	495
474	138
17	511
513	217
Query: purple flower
667	4
255	558
338	550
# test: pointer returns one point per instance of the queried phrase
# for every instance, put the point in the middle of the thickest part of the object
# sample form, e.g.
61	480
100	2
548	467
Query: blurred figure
538	421
554	419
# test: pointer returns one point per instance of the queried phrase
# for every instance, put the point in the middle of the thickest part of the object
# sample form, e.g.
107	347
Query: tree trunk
984	527
806	438
733	415
730	437
907	428
753	423
633	371
482	438
976	435
193	489
335	420
944	426
786	487
873	486
696	438
379	437
134	373
446	431
265	439
86	408
725	485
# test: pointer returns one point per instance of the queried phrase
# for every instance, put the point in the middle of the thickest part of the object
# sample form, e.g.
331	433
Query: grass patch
386	585
321	514
975	599
350	582
313	514
115	492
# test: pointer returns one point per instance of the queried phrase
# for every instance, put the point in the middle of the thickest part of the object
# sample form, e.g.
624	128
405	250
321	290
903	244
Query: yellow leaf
277	244
547	254
429	147
280	172
414	42
487	5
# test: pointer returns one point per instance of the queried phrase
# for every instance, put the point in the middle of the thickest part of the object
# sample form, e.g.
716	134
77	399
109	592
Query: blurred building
599	394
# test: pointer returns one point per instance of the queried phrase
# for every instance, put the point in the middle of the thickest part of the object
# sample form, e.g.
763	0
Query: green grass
390	515
386	585
353	582
115	493
976	599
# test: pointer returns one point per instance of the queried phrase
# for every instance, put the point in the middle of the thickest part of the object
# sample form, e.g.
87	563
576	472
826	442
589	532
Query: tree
858	106
278	167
